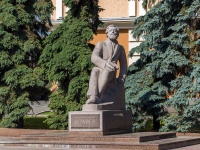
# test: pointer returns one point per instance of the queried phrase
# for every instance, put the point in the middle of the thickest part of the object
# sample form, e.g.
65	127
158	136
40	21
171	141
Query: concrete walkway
194	147
25	148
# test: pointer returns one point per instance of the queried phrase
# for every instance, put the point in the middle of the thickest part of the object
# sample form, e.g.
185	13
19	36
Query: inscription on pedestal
80	121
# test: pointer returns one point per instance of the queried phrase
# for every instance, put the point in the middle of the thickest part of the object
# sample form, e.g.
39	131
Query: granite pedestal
101	122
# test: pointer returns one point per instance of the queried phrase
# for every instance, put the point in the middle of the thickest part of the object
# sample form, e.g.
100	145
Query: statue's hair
112	25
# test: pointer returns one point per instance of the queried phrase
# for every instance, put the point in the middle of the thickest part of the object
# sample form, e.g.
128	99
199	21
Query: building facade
121	13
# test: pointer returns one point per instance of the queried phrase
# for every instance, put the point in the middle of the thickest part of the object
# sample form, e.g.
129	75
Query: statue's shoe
92	100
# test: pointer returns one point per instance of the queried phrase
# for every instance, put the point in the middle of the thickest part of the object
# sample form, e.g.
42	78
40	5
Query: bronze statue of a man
105	57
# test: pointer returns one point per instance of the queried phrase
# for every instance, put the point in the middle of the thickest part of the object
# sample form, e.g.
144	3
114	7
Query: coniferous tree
66	59
22	26
168	71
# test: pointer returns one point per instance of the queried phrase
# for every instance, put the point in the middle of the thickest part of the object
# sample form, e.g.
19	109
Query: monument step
177	142
163	144
85	136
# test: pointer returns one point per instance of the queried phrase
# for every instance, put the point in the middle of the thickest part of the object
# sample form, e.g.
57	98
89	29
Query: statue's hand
111	66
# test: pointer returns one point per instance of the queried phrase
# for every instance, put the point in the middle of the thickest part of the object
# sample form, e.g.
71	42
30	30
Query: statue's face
112	33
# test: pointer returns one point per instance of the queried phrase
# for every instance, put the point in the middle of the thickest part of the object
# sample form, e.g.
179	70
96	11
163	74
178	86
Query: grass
35	123
47	113
148	127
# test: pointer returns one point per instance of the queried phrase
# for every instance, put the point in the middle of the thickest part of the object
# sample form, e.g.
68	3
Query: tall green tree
66	59
168	71
22	29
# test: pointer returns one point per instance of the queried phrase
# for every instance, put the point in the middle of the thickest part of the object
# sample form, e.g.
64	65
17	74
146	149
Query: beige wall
120	8
151	5
53	16
113	8
61	8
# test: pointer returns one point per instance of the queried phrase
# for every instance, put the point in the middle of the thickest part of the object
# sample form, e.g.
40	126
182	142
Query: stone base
105	122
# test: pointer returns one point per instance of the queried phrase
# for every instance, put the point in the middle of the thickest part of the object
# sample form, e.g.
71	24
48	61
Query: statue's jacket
104	52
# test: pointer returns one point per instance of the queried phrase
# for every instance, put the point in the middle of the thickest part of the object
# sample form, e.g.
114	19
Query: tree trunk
20	123
156	123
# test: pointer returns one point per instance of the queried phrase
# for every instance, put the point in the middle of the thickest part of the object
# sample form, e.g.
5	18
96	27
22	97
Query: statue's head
112	32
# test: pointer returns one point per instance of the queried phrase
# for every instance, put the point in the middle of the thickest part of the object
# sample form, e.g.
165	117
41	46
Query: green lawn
35	123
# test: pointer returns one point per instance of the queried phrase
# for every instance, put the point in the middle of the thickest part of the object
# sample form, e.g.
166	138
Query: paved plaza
194	147
16	139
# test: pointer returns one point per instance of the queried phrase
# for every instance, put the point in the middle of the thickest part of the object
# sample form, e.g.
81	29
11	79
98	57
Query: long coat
103	52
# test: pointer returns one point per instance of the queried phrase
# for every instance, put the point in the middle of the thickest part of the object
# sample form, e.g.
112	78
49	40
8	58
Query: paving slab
43	148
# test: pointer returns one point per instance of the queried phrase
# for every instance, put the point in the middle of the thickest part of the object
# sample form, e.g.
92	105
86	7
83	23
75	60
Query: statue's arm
123	64
97	56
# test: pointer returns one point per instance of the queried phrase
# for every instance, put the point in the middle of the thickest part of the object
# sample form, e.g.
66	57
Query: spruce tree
22	28
66	59
168	71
